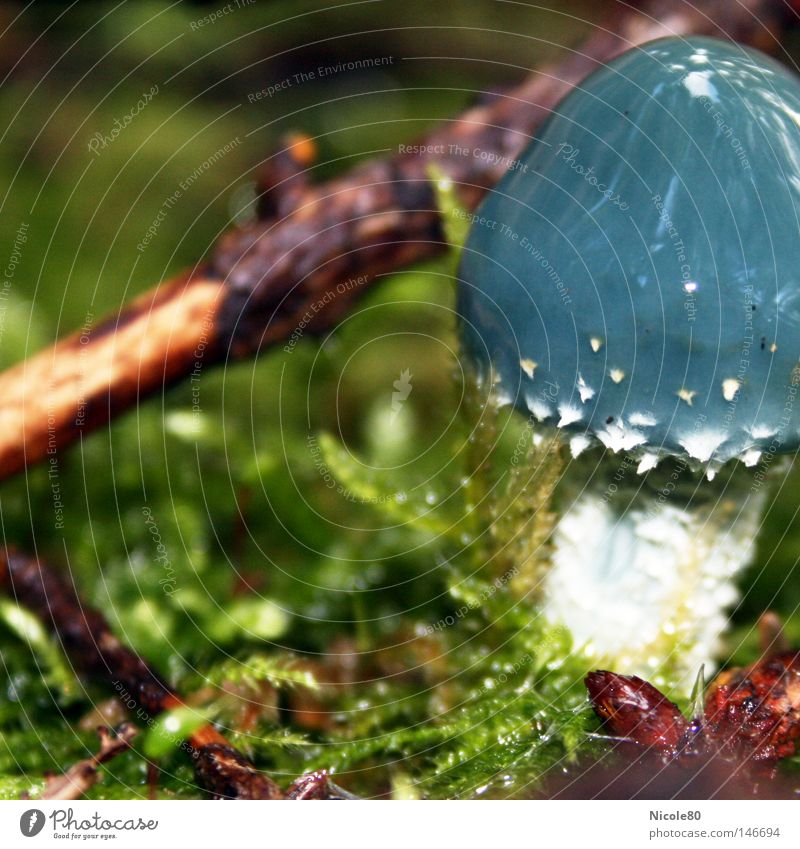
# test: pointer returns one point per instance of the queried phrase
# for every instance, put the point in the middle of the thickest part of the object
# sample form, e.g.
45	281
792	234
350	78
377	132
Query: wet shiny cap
635	277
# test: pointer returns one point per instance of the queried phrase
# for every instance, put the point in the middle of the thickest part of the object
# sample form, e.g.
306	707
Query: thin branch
83	775
318	248
93	649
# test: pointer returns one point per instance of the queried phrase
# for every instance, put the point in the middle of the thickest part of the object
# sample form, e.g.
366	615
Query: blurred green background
265	562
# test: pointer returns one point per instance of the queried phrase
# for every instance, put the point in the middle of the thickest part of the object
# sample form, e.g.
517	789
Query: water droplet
569	415
751	457
648	461
763	432
586	392
729	388
701	445
578	444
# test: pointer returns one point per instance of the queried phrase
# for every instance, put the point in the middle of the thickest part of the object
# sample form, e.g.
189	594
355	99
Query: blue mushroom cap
635	277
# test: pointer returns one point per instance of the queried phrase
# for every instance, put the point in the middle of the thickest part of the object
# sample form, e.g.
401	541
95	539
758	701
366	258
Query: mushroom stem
644	568
639	562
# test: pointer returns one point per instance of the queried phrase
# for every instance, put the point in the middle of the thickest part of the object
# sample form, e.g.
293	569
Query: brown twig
88	641
317	248
83	775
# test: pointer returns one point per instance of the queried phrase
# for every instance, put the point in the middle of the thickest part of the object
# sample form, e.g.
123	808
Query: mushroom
643	254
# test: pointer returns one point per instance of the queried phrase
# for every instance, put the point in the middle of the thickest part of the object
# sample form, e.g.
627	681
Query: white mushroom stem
645	580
